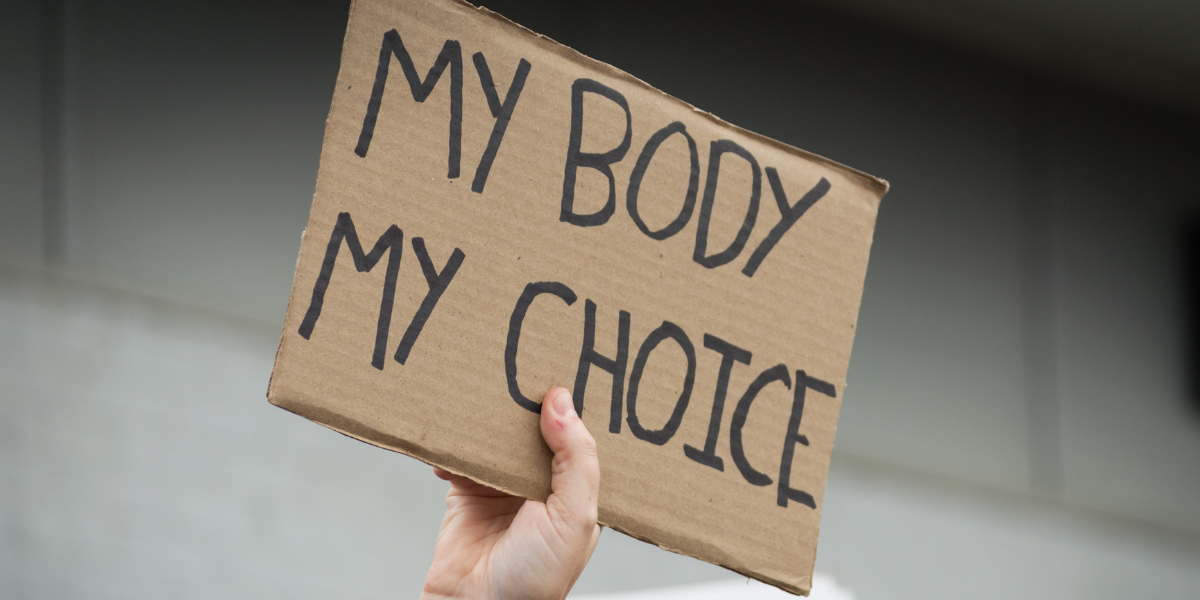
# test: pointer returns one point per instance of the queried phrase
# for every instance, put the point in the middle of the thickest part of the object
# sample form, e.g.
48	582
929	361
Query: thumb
575	470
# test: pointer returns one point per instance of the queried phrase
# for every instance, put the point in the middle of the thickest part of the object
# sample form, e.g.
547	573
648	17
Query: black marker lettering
588	357
438	282
736	450
393	240
451	55
600	161
532	291
501	112
788	215
716	149
729	354
786	492
664	331
639	171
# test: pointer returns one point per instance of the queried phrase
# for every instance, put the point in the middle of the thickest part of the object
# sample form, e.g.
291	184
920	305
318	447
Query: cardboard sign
496	214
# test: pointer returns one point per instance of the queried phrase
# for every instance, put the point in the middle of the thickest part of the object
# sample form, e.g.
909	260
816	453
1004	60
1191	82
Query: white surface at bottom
824	588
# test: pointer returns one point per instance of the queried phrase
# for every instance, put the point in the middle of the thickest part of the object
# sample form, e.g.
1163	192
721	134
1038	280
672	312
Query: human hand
498	547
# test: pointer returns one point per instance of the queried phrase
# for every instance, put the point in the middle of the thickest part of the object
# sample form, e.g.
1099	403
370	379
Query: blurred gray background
1020	419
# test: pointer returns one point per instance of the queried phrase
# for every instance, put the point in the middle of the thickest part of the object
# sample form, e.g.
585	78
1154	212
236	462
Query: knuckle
587	447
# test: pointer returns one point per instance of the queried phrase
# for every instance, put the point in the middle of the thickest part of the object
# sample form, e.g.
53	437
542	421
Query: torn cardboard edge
362	433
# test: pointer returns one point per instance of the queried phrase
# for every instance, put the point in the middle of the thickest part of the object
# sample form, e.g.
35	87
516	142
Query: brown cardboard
451	401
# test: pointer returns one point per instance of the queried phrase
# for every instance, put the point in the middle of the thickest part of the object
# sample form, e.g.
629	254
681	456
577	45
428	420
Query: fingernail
563	406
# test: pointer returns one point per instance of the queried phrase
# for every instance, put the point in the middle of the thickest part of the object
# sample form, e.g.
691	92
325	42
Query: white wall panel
140	459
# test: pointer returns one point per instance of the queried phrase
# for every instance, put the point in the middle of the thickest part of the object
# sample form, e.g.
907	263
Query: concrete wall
1016	413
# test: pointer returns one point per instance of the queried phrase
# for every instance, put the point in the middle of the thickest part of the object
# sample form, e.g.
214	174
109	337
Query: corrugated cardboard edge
364	433
361	432
787	587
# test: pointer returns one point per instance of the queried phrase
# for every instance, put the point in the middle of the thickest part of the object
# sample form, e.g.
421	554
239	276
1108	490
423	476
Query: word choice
625	403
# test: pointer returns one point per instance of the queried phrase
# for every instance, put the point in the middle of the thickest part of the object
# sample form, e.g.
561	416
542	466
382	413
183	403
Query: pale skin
494	546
